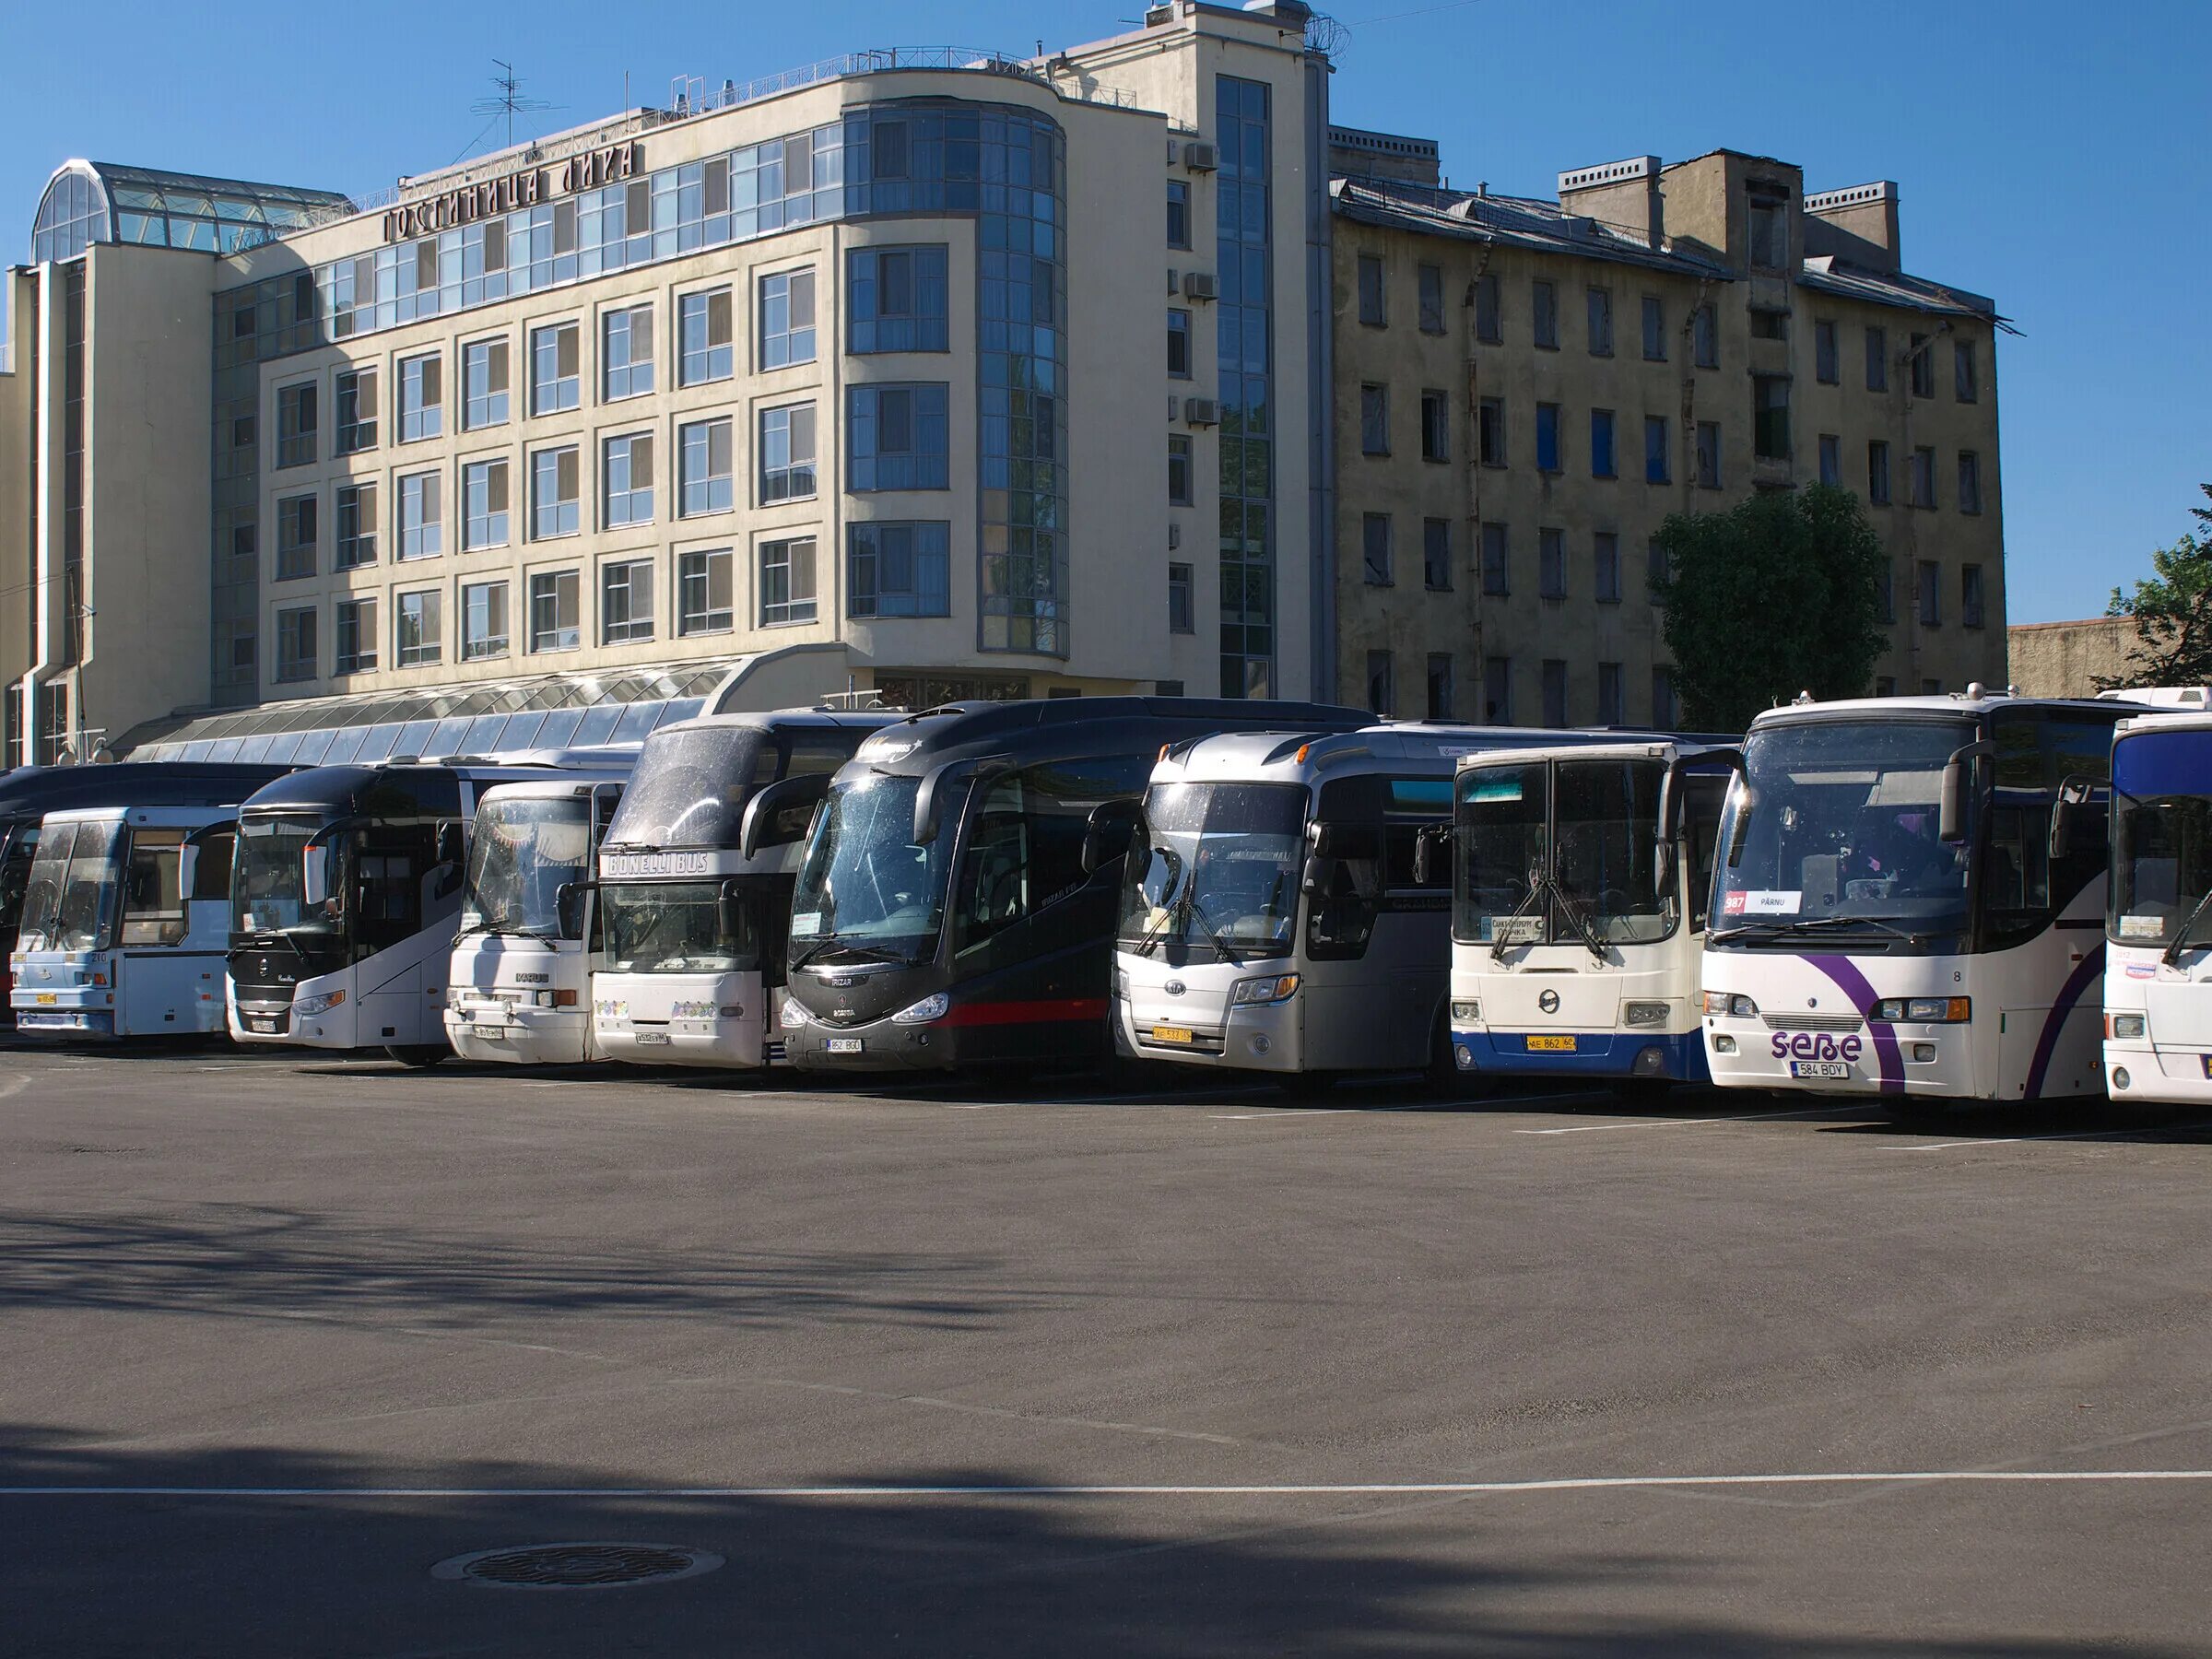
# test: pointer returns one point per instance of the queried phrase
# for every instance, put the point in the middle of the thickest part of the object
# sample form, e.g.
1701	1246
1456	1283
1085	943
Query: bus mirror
1957	773
779	815
568	901
929	798
314	874
1106	835
1311	879
449	851
1663	869
1320	838
1428	848
2066	814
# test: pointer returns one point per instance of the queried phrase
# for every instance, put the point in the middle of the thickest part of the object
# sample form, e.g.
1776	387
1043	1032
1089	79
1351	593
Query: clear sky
2053	157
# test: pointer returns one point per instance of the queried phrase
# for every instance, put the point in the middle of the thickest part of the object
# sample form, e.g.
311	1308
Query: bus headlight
1644	1014
2126	1025
1723	1002
792	1018
1466	1010
1923	1010
308	1007
932	1007
1254	992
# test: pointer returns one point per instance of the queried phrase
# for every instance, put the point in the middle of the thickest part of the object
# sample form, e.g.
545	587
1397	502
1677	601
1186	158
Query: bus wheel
419	1054
1443	1075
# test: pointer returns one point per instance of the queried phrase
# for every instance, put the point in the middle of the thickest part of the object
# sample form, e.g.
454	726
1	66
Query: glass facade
85	204
1242	129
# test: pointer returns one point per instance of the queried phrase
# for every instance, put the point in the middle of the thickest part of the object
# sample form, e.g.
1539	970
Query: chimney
1857	225
1624	194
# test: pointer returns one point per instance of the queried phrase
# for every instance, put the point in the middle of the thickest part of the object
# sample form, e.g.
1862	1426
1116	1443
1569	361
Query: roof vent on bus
1975	689
1801	699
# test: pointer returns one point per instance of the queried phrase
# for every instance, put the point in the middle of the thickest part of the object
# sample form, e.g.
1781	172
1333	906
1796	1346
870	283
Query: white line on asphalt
2014	1140
1741	1117
1379	1488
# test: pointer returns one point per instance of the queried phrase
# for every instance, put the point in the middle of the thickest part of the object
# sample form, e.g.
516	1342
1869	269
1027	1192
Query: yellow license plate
1551	1045
47	999
1170	1033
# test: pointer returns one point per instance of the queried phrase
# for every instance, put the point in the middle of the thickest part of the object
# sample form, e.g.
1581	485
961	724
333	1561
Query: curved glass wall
90	202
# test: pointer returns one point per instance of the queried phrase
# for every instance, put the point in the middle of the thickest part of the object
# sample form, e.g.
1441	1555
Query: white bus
1579	880
125	920
1276	912
346	895
1891	918
2157	972
695	881
519	987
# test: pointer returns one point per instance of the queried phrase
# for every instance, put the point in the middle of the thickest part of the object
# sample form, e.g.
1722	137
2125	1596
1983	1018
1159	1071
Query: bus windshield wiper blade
2172	953
1811	923
1191	908
1574	915
859	953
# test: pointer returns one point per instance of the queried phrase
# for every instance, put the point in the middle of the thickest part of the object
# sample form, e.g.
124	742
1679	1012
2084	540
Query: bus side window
211	871
1340	915
153	910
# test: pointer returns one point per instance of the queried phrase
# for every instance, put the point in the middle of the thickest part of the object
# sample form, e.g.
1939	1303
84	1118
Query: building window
421	398
626	352
1436	554
1436	426
786	453
626	480
554	385
787	593
483	505
1497	561
484	387
1970	596
703	326
356	526
556	606
1923	477
1970	481
1371	310
356	410
1179	214
1179	343
1885	595
354	648
421	516
703	597
1551	564
1885	685
1602	464
900	570
296	644
1931	593
1709	454
1655	329
1544	311
1374	547
1966	384
554	491
1877	473
1827	365
1183	613
1705	338
626	601
1600	303
1611	706
1771	417
1831	458
1555	691
1657	570
705	482
1769	324
1923	353
1431	281
1657	451
1491	430
1931	688
1770	249
1489	319
296	424
786	320
295	537
418	631
1877	360
1548	438
1605	552
1374	420
897	298
483	620
1440	685
1667	711
1498	691
243	432
1382	684
898	437
1178	470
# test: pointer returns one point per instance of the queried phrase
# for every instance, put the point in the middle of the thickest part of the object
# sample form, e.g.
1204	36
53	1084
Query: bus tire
419	1055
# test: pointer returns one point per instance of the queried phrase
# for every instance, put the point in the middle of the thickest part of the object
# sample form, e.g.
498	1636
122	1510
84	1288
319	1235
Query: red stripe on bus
1025	1013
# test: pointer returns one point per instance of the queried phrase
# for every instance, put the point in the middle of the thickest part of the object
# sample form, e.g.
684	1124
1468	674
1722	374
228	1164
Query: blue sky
2052	156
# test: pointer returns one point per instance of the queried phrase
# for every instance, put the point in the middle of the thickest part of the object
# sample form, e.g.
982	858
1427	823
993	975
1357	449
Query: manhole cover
577	1566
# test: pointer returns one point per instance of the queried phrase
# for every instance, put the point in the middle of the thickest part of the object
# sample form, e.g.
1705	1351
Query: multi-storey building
1526	388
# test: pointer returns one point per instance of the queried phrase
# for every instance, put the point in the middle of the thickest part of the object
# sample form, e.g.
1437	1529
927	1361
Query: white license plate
648	1039
261	1025
489	1031
1818	1069
843	1045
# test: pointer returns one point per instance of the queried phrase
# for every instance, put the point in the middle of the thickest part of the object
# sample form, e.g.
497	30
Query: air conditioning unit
1201	411
1199	156
1200	285
1155	16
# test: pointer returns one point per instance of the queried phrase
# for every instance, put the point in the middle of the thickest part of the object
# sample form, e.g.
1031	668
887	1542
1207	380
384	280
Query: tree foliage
1778	595
2172	612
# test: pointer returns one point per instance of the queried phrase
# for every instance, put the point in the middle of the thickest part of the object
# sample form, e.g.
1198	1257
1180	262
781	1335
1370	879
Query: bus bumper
1928	1063
1059	1034
507	1034
1675	1056
37	1020
2134	1071
1262	1037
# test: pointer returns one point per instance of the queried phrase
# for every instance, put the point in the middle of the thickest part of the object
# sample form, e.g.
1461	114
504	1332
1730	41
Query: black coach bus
956	904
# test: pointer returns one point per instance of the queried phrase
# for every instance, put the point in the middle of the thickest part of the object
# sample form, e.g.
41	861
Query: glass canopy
97	201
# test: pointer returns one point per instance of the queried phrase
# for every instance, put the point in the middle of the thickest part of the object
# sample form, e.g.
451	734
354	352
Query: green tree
1778	595
2173	611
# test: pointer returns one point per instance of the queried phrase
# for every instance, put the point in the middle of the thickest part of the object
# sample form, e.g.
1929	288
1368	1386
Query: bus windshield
1216	874
2162	839
1835	822
268	881
1585	828
867	889
684	926
690	787
524	852
70	901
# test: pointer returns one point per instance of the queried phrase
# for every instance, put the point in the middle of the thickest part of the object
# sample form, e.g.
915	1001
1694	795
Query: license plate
47	999
261	1025
1551	1045
651	1039
1171	1034
843	1045
489	1031
1818	1069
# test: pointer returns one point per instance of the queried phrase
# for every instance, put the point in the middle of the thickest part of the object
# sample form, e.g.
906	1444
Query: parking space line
2014	1140
1741	1117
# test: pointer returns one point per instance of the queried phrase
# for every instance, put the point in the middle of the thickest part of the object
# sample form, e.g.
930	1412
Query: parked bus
2157	974
695	884
1276	913
30	792
519	985
124	923
345	896
1890	918
956	902
1580	876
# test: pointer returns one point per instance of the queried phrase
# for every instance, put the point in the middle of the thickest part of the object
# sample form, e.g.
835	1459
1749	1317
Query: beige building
1526	388
2069	659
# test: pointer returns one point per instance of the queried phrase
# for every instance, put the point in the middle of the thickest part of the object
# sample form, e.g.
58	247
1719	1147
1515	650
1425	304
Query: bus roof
34	791
780	719
1970	702
427	785
1070	728
192	816
1375	746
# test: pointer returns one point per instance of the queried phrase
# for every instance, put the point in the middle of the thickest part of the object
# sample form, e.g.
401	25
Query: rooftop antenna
509	100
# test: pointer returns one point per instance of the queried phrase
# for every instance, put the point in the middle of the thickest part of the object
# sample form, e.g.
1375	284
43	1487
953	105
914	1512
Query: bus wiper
1812	923
1190	908
2172	953
1752	930
1537	882
1581	923
859	953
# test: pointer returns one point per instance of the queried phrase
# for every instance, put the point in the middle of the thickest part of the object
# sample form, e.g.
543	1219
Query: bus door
155	984
398	890
1353	1017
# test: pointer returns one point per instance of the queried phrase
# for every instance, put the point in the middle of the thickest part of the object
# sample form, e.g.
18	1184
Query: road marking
1741	1117
2014	1140
1379	1488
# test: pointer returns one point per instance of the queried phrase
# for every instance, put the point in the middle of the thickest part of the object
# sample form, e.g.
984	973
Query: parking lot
1183	1370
